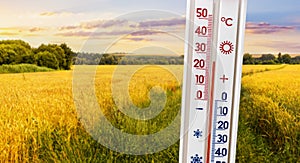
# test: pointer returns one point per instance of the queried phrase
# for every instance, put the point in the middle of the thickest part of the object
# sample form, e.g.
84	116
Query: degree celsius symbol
227	21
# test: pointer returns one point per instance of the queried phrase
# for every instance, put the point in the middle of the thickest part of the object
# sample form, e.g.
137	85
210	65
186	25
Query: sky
140	26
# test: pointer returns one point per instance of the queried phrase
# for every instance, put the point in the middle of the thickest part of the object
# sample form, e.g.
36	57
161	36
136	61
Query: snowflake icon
196	159
198	133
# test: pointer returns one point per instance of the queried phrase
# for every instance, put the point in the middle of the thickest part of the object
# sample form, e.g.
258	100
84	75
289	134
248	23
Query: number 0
199	94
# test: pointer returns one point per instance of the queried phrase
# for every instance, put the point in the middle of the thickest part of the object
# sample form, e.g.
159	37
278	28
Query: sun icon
226	47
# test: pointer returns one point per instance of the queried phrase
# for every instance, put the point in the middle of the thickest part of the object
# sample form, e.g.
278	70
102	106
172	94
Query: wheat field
39	121
269	116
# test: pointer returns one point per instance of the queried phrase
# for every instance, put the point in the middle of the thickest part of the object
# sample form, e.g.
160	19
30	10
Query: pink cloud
125	23
92	34
111	33
162	23
145	32
137	39
102	24
284	46
75	34
266	28
95	24
68	28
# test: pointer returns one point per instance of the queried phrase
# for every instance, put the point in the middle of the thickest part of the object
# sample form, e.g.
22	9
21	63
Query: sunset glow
116	26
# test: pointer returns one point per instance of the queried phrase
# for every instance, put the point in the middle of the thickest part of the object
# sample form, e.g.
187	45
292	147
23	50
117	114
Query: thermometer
212	80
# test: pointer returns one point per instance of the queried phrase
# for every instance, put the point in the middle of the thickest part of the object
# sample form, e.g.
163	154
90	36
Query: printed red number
199	79
201	12
199	94
201	47
201	30
199	63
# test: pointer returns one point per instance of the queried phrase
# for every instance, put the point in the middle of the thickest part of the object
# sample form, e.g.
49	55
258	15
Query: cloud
162	23
48	14
36	29
102	24
9	34
284	46
75	34
12	31
145	33
266	28
138	39
69	28
95	24
22	31
125	24
92	34
110	33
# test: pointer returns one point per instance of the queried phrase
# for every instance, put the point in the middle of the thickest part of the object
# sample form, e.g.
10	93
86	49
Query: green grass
39	122
22	68
269	125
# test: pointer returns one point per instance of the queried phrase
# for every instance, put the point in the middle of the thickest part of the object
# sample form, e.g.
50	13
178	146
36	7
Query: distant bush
123	59
270	59
47	59
21	68
54	56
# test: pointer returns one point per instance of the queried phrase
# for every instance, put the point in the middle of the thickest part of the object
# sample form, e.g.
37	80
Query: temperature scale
212	80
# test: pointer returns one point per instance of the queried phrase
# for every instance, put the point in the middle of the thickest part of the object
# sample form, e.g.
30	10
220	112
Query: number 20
199	63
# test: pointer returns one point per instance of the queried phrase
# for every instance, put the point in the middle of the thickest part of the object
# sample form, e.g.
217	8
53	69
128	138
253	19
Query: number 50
201	12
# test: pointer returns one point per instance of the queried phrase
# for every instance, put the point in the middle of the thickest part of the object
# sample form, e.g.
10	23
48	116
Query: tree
267	59
248	59
123	61
296	60
56	50
16	50
47	59
16	42
172	61
3	55
110	59
286	58
69	54
279	58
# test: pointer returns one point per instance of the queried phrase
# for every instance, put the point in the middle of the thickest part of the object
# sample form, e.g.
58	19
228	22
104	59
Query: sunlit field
270	117
39	120
251	69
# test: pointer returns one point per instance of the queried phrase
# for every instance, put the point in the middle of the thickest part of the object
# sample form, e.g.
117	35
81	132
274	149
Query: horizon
153	54
146	27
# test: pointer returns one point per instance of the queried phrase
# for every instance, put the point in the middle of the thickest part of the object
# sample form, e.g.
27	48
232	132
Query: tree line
123	59
271	59
13	52
53	56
